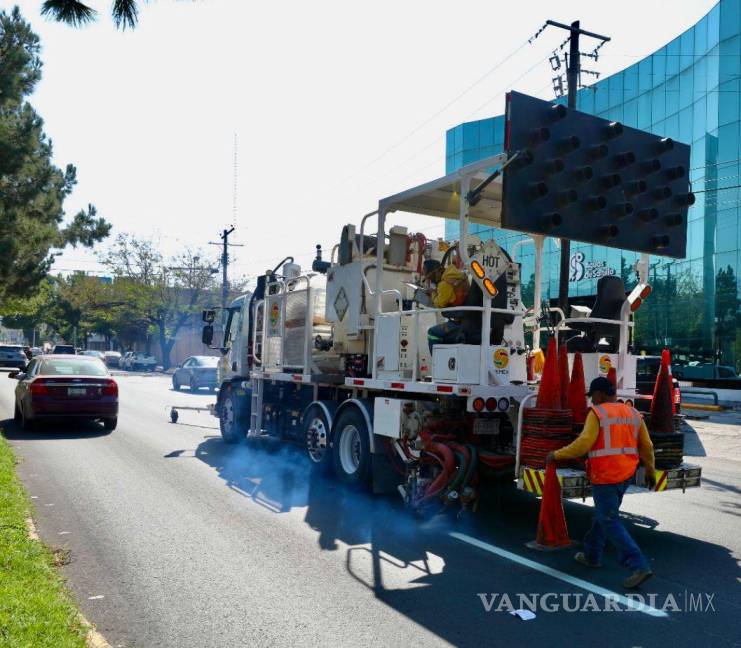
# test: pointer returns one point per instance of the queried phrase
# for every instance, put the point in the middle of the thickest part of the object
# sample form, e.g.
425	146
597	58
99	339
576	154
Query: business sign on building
580	269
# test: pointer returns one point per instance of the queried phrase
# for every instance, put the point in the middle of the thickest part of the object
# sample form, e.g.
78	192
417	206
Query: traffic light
584	178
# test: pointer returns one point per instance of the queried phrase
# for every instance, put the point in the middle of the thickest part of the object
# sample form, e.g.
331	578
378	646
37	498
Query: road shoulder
36	608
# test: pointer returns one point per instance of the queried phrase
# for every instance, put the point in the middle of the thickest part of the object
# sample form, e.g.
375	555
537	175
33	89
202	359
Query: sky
334	105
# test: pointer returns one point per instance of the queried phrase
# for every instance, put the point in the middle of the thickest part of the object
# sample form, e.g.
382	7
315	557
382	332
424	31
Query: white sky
322	95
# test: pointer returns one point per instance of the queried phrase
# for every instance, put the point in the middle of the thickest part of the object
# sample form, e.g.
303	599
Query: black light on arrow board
593	180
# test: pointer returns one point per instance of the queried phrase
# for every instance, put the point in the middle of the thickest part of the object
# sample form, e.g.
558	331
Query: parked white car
138	361
112	358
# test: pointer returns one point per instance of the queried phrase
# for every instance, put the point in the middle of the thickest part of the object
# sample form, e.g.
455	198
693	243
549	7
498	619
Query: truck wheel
316	438
110	424
230	421
175	383
351	448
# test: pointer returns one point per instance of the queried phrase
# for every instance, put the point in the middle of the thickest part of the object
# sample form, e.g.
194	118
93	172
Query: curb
93	638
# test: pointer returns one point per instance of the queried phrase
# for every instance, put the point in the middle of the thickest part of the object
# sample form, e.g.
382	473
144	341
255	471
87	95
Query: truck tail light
38	388
478	404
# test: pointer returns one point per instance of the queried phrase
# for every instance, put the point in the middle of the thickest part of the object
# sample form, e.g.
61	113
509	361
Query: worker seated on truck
613	438
451	289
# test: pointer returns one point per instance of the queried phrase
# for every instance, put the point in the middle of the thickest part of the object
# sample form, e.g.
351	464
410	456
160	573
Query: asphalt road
179	540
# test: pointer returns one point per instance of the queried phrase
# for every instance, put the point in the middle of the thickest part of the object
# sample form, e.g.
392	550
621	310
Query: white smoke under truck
337	359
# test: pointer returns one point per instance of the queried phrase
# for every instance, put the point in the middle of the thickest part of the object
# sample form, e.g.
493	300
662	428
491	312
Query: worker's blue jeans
608	526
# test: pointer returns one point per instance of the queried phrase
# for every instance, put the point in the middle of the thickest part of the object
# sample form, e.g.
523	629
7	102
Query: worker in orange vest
613	438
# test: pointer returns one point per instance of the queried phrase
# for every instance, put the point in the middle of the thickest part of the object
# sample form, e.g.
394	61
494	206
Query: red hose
444	455
495	460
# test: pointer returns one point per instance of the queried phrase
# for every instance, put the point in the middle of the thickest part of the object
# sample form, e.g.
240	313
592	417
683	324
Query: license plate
76	391
486	426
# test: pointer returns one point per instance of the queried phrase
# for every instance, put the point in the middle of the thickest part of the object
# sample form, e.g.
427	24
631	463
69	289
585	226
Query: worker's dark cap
603	385
429	266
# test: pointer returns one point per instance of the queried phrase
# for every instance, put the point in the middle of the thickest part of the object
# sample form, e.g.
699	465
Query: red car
63	387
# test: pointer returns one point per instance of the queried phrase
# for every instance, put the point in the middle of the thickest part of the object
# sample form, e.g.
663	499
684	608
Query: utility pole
225	245
572	75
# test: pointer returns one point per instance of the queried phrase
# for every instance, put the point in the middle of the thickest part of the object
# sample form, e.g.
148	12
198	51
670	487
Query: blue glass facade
688	90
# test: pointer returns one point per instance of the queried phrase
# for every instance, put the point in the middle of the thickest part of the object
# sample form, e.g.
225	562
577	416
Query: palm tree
125	13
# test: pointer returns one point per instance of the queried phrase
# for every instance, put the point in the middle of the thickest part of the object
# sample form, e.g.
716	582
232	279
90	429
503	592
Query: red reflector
296	377
445	389
636	305
491	404
478	404
645	292
110	388
358	382
397	385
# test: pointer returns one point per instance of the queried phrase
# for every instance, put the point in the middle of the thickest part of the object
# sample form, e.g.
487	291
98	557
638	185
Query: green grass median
35	608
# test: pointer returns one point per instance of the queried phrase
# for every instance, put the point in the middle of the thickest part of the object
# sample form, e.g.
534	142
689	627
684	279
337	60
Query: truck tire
231	420
316	434
351	452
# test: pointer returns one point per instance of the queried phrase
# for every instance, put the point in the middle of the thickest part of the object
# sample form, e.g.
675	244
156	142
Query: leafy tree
32	189
29	313
167	295
726	314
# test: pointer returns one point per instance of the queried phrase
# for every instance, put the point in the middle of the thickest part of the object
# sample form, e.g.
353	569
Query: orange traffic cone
612	376
662	404
563	375
552	531
666	360
549	393
577	391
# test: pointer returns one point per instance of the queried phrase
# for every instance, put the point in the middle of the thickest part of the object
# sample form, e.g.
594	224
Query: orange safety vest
614	455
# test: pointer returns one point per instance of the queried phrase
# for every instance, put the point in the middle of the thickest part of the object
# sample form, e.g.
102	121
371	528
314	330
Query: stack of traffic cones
563	375
549	393
577	391
552	531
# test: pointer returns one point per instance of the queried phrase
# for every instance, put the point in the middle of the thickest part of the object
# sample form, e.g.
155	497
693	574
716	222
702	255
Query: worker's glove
651	481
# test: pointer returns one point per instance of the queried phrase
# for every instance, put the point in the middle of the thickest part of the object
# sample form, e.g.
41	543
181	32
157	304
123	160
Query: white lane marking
49	504
95	598
34	497
578	582
64	532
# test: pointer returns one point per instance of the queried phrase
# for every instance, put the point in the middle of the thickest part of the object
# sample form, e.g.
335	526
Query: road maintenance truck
336	358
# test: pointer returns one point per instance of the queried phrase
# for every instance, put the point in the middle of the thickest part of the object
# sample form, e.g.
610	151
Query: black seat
471	320
608	305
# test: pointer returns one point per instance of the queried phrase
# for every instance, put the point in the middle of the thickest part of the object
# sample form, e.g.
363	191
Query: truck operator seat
596	336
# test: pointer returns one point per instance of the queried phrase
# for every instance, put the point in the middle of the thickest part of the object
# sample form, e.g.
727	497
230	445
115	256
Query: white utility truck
337	358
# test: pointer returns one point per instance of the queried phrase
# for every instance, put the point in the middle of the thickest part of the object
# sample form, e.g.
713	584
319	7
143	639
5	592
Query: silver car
12	355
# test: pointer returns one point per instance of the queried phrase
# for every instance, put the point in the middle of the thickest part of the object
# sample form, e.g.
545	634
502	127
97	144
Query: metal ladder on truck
256	397
256	407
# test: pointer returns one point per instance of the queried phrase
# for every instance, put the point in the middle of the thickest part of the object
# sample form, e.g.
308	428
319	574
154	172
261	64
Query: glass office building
688	90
